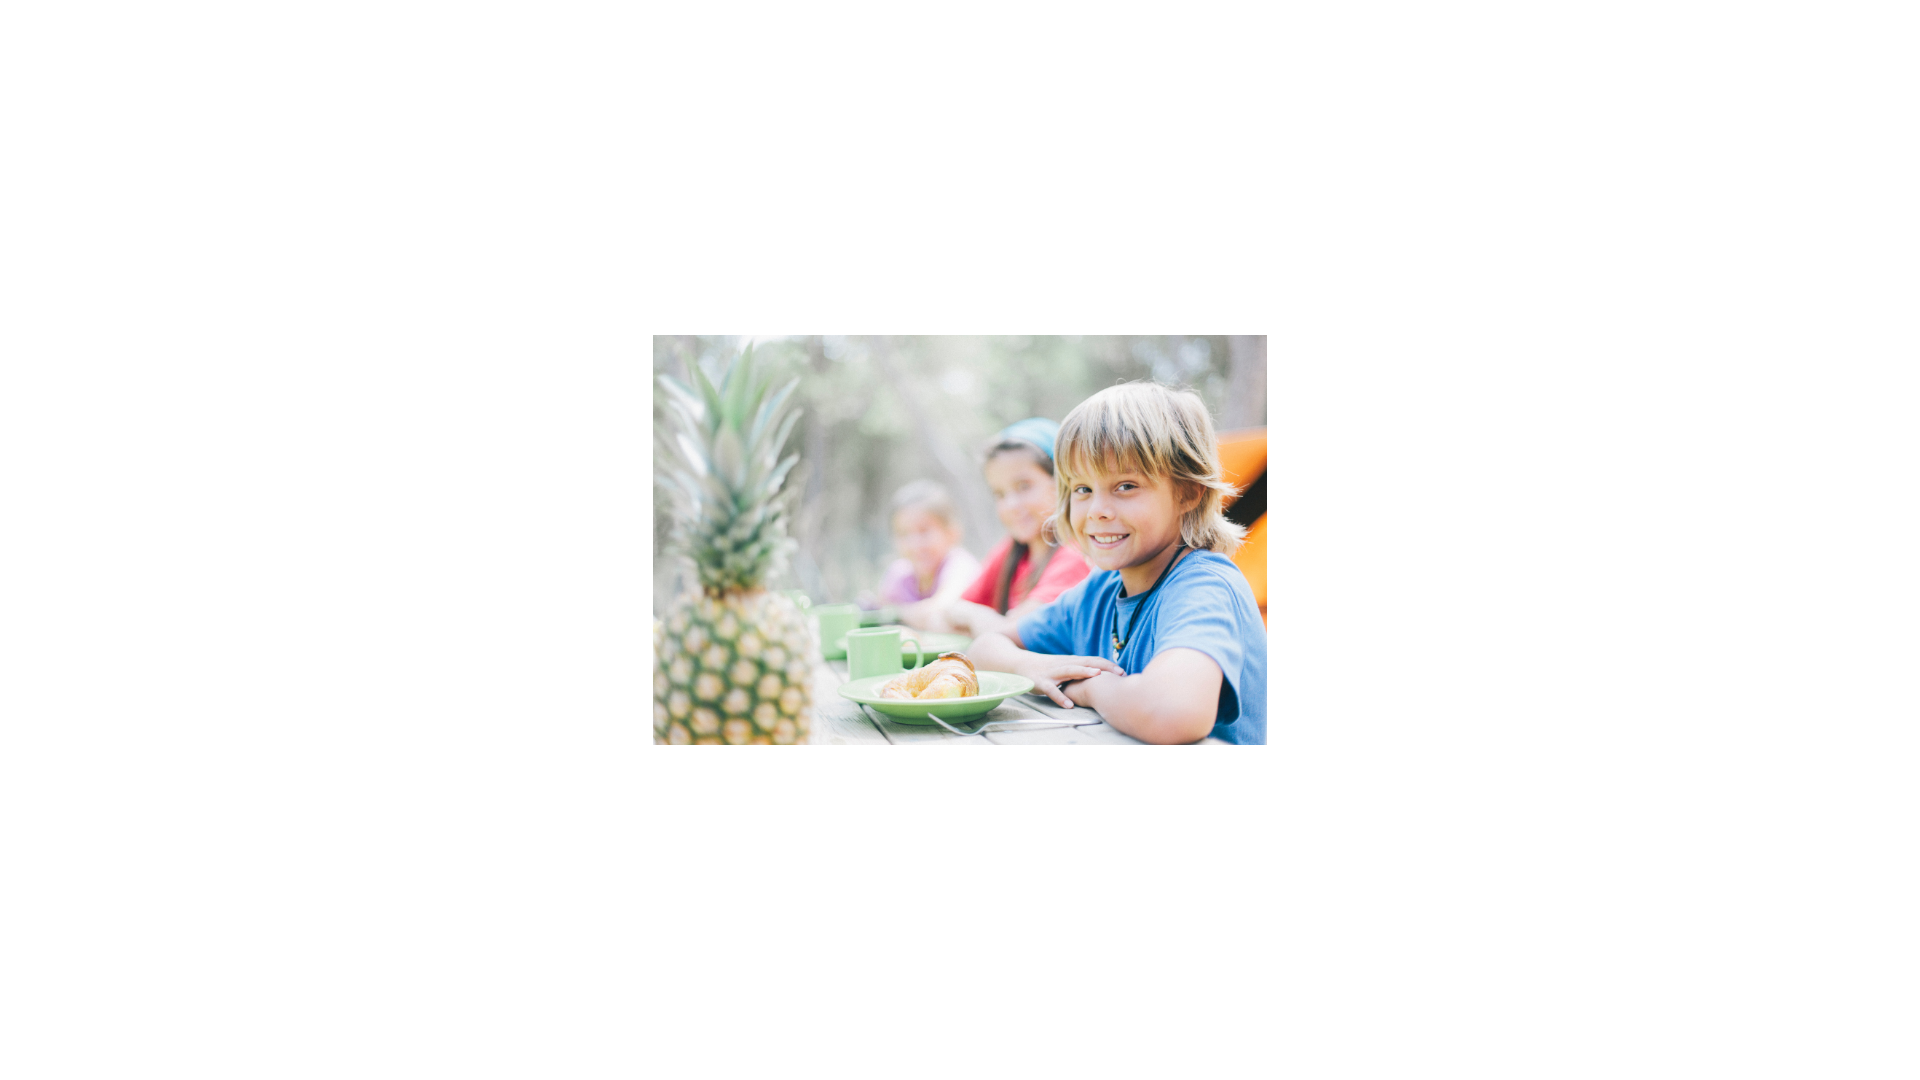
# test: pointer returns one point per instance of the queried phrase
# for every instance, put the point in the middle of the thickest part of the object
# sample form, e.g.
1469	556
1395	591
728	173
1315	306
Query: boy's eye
1082	489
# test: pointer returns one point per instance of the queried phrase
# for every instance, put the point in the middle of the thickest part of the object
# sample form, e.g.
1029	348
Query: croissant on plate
950	676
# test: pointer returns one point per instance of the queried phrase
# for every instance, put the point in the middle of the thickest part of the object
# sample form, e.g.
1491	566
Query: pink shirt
1063	572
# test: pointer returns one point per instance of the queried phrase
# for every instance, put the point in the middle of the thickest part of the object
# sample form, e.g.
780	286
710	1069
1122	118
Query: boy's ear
1191	495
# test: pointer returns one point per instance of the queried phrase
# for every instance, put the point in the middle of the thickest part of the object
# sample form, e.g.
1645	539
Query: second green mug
876	651
835	620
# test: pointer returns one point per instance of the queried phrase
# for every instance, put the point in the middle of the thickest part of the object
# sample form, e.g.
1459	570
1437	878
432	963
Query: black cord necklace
1119	642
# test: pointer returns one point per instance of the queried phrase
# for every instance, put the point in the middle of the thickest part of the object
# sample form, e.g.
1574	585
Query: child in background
1024	572
1164	638
933	568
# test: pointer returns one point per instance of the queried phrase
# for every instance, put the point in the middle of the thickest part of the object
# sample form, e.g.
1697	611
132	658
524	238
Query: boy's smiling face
1130	520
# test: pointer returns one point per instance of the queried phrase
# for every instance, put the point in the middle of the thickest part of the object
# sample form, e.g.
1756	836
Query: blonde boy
1164	638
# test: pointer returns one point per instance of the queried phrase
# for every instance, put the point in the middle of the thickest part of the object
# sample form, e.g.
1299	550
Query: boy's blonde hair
1157	430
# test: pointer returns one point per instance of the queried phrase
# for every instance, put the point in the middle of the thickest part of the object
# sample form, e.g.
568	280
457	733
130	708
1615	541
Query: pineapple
733	662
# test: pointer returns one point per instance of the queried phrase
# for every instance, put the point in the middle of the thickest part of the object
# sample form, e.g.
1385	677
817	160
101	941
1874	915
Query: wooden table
837	722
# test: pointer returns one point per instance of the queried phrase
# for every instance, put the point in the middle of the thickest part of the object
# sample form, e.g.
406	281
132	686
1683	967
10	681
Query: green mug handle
919	650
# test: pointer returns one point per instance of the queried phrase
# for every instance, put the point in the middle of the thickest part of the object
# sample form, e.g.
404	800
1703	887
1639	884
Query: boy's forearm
997	652
1144	708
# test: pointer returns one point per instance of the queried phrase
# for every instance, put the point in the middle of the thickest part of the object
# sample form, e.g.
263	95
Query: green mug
835	620
875	650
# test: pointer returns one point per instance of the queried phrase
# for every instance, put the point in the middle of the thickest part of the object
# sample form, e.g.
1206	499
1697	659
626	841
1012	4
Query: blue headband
1037	430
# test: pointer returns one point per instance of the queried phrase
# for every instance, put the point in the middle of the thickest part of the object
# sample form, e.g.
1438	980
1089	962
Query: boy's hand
1051	672
1081	692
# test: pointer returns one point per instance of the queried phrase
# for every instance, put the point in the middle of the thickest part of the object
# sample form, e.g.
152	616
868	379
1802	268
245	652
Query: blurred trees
880	411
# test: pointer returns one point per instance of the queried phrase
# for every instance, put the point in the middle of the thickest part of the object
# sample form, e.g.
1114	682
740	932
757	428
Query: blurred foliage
880	411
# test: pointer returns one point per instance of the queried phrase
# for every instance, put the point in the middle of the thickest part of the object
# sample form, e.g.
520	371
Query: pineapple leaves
693	456
765	453
734	387
679	391
768	411
786	428
730	457
712	398
725	476
780	472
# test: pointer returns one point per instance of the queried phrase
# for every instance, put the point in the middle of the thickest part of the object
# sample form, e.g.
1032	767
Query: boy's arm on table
1173	701
996	651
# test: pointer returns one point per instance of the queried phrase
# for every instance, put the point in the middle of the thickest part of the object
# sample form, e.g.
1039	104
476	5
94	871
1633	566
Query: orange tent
1243	463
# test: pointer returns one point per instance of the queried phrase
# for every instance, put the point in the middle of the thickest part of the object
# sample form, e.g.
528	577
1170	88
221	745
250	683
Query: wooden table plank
1045	705
837	721
1084	735
1088	727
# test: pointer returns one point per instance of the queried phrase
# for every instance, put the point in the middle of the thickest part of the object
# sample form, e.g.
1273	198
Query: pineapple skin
734	669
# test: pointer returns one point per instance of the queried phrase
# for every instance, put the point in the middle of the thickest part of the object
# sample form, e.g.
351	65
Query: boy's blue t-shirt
1205	604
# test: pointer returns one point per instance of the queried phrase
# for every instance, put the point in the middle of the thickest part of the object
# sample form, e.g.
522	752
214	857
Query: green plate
995	687
932	643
